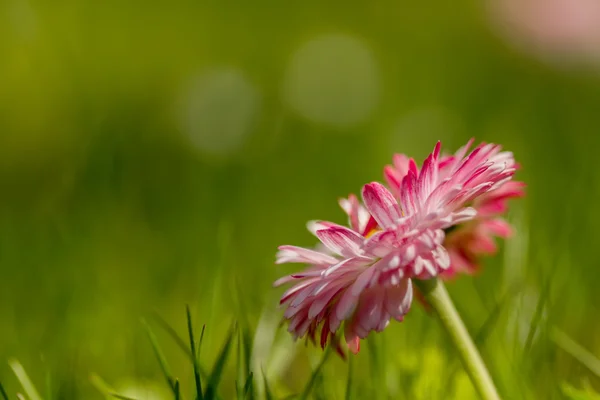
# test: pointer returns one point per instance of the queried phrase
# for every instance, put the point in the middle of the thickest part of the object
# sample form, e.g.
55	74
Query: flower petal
342	241
293	254
399	298
381	204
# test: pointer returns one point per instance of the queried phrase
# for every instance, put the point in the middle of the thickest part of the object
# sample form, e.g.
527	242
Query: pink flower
363	278
467	242
559	31
339	285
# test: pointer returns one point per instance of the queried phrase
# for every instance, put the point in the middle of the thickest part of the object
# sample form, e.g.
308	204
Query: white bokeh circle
218	111
334	80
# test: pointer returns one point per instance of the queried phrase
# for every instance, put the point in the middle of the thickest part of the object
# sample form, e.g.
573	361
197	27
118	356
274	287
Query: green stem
437	296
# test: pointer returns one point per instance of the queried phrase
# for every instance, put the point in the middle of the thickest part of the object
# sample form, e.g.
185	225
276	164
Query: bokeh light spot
219	110
333	80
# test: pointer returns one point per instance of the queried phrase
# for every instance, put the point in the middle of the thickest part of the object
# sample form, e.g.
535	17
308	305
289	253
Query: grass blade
217	371
248	393
349	382
168	329
195	363
315	374
181	343
376	366
490	322
578	352
105	389
572	393
164	365
23	378
48	386
177	392
3	392
537	316
244	325
120	396
240	368
200	342
268	394
247	346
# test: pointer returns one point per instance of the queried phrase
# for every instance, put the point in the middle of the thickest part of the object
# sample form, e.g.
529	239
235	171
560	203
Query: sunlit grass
435	375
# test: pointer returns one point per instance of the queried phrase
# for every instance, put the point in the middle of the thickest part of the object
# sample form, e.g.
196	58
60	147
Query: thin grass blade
105	388
121	397
376	366
268	394
349	382
217	371
248	386
171	332
537	316
3	392
244	325
164	365
200	342
313	378
197	381
49	386
177	391
577	351
240	368
23	378
573	393
180	342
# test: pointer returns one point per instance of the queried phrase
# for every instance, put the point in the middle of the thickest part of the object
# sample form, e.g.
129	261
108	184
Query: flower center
372	232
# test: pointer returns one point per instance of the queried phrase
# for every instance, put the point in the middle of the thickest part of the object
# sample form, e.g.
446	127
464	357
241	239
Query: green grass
317	384
110	212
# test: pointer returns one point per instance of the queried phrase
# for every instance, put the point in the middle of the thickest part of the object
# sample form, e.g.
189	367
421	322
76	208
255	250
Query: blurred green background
155	154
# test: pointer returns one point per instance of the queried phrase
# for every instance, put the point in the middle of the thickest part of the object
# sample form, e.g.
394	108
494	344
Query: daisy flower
362	277
467	243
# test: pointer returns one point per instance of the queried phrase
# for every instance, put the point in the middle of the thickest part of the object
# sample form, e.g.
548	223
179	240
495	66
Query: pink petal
401	164
428	176
314	226
350	206
301	296
381	204
295	289
349	264
499	227
284	280
353	342
408	197
324	336
441	257
381	243
346	305
398	298
321	302
342	241
334	323
363	280
393	178
370	310
293	254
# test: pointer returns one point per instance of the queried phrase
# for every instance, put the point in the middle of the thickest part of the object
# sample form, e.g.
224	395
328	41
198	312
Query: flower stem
437	296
